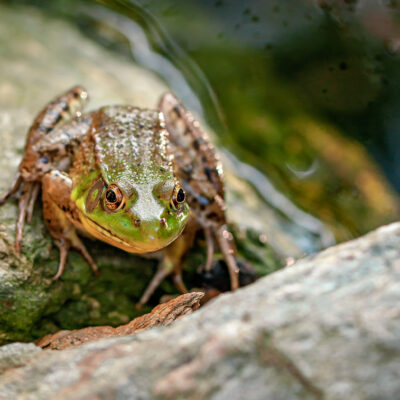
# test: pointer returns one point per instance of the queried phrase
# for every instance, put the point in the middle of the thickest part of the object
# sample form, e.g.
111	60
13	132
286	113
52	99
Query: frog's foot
227	246
79	246
64	245
171	264
210	248
32	201
160	275
12	190
174	255
26	202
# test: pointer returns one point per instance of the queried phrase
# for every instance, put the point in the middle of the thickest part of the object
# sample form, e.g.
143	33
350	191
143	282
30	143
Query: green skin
128	148
117	228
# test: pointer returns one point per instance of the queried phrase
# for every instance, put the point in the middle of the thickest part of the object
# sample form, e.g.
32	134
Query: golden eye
114	199
178	196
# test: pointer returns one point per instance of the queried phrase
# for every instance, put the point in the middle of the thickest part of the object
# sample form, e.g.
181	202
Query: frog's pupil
180	197
111	196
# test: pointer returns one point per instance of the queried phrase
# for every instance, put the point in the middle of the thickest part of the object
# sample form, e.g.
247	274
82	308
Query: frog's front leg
172	262
34	164
61	218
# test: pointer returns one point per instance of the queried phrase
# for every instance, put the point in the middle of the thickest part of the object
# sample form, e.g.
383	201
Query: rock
327	327
16	354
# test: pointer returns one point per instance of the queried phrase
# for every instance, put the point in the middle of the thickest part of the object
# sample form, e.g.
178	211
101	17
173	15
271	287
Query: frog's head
131	198
139	218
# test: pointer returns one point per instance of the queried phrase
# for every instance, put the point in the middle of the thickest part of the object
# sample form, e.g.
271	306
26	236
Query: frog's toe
27	189
165	269
17	247
24	199
160	275
228	249
13	189
79	246
32	201
64	246
89	260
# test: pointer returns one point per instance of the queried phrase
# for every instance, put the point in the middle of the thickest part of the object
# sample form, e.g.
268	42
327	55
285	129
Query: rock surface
327	327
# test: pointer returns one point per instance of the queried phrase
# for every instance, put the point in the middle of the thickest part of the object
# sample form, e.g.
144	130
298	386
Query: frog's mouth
107	236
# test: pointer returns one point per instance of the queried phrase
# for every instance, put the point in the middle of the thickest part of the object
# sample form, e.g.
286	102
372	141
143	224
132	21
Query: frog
143	180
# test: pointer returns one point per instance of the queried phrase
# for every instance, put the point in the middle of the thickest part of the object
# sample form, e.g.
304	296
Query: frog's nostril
137	222
163	222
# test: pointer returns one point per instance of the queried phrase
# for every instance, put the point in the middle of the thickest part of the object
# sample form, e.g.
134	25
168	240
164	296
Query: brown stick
163	314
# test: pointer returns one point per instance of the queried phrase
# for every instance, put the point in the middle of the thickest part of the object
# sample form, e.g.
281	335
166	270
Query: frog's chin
105	235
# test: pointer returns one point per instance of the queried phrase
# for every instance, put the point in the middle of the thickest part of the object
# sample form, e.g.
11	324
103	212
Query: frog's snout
137	222
153	231
152	227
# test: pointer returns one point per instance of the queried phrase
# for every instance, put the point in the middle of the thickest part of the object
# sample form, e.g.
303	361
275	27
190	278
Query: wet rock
327	327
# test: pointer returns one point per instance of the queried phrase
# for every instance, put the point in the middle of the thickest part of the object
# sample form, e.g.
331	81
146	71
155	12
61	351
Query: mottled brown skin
200	170
32	167
58	153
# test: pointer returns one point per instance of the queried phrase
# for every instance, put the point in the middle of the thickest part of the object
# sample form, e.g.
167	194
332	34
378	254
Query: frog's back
124	144
130	138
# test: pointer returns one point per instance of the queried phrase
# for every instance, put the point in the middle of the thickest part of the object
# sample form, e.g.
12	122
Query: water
305	96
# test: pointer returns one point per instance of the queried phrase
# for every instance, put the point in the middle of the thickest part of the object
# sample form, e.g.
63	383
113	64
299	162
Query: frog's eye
178	196
114	199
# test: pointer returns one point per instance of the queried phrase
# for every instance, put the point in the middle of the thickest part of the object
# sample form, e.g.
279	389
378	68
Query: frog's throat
105	235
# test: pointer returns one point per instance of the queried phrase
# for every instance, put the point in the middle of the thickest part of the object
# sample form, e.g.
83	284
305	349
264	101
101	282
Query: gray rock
327	327
16	354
